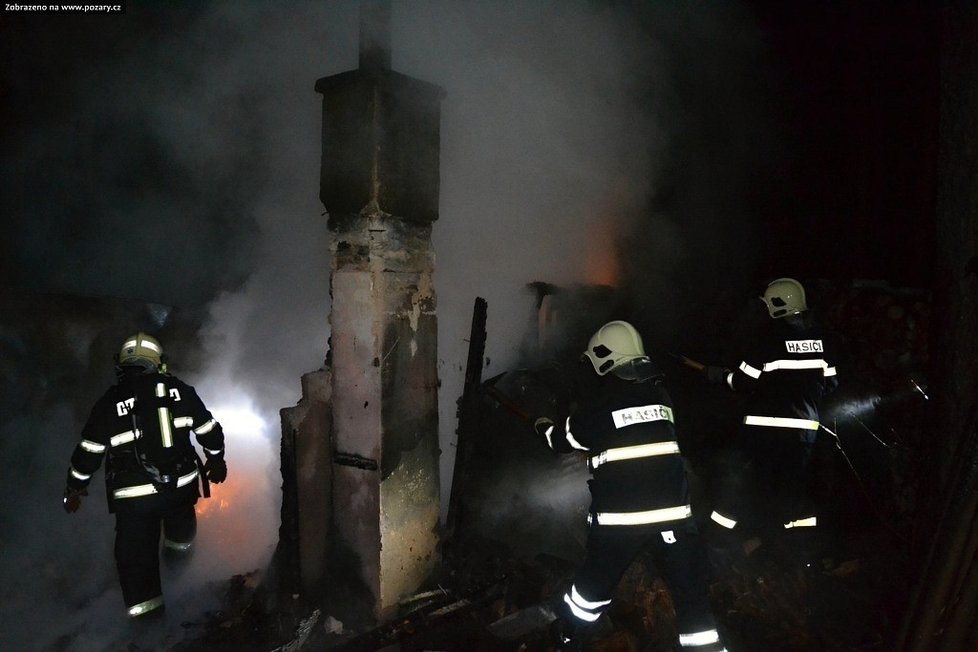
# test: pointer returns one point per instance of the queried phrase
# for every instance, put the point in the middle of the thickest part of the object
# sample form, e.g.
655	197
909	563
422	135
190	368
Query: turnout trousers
768	490
680	559
137	551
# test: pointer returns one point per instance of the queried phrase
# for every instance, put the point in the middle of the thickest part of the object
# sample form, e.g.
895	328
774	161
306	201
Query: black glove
72	500
542	425
715	374
216	469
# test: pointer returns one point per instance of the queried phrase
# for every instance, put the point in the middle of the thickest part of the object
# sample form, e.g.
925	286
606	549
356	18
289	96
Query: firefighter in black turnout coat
142	427
785	376
639	494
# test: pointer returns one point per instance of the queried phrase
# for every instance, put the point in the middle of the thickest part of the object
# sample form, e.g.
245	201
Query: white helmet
613	345
141	350
783	297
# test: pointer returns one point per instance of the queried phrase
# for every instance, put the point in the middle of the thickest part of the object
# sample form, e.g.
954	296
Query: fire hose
689	362
503	400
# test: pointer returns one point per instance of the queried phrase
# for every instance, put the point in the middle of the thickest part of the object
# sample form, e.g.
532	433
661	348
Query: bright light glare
239	421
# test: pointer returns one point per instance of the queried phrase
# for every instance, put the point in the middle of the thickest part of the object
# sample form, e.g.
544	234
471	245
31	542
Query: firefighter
141	426
639	493
785	374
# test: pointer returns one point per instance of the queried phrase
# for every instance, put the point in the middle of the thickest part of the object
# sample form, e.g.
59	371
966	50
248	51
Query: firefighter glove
543	426
216	469
72	499
715	374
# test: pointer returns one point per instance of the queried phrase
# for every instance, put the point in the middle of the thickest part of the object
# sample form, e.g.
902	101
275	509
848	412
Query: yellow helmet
613	345
783	297
141	350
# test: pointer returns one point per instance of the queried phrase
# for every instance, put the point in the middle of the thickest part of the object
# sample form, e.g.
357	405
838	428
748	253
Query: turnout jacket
142	427
788	371
627	430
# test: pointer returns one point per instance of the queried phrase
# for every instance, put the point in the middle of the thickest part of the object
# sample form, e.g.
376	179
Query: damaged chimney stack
379	184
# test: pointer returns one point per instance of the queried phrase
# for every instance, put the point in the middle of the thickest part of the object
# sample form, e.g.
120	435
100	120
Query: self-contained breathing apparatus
142	354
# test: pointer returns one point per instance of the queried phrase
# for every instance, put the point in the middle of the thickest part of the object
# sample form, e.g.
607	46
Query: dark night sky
860	89
77	177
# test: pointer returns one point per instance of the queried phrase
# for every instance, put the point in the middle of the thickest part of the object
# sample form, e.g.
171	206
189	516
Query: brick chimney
379	184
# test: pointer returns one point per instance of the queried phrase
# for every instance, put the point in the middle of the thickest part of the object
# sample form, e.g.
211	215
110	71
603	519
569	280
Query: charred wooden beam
468	408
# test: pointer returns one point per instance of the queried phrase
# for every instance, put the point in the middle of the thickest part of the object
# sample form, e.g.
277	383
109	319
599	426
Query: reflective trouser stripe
78	475
697	639
635	452
176	545
147	489
725	521
644	518
781	422
145	607
811	521
586	610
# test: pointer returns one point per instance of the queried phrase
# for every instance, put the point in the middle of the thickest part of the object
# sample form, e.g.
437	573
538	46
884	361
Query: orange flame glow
222	496
229	516
601	266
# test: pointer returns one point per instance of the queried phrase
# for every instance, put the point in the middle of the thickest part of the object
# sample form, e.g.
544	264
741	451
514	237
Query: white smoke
559	124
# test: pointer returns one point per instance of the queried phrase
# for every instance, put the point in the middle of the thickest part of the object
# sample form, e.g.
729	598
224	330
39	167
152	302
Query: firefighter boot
565	635
725	548
799	550
566	630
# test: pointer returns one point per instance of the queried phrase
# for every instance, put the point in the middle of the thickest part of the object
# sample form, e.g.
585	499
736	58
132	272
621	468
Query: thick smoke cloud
178	163
586	143
544	143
